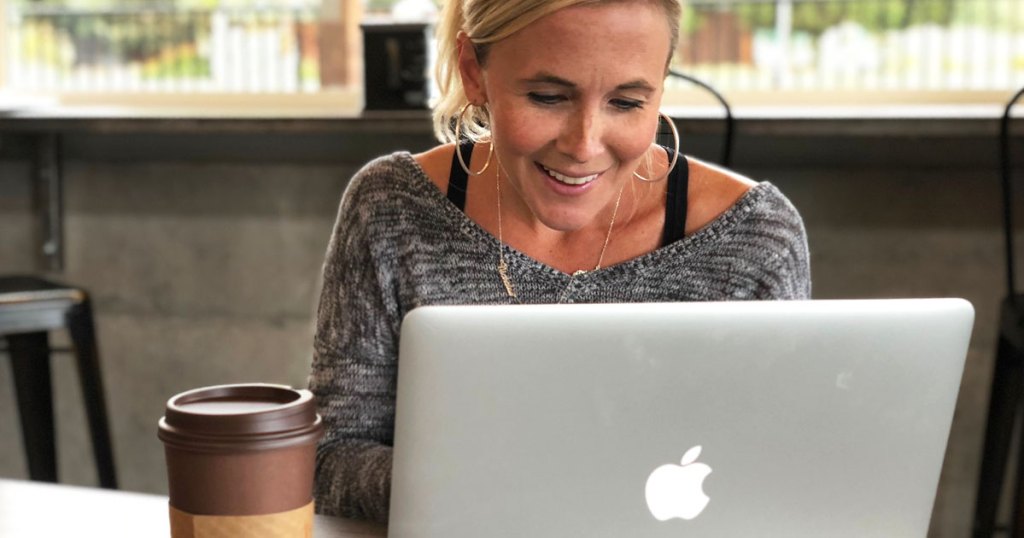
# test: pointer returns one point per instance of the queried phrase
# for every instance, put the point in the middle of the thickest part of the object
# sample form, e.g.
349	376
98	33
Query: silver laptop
806	418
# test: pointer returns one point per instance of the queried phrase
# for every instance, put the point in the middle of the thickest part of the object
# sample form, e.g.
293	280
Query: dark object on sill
30	307
395	66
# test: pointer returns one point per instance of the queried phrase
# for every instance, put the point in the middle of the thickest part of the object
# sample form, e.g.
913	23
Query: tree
815	17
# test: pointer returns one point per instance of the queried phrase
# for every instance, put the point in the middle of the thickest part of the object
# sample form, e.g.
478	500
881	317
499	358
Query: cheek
525	131
521	133
636	146
632	142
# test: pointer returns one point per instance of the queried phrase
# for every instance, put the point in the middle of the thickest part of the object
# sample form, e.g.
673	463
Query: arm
354	369
790	276
791	279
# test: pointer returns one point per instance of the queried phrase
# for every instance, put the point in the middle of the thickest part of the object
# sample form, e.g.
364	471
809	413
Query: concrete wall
205	269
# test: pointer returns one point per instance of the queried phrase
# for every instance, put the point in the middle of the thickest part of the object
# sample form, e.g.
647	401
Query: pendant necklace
503	267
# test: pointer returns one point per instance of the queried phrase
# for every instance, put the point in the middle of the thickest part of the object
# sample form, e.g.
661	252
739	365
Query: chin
563	222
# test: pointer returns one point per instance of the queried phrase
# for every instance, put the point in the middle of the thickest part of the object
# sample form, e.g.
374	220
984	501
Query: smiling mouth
569	180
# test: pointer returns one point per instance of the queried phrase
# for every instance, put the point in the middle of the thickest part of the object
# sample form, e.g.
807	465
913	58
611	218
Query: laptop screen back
809	418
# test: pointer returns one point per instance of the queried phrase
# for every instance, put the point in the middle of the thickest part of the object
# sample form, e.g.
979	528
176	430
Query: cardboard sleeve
296	523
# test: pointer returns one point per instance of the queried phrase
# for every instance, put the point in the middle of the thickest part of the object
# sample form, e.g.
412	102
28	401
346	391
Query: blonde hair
487	22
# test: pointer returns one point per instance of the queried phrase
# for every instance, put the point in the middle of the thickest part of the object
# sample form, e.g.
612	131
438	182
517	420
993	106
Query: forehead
621	36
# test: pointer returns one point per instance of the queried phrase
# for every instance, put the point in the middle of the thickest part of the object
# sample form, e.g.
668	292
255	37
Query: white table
39	510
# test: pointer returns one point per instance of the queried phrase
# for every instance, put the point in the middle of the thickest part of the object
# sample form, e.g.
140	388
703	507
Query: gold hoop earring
458	145
675	152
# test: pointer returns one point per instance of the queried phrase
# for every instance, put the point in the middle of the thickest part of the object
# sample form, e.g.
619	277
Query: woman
559	195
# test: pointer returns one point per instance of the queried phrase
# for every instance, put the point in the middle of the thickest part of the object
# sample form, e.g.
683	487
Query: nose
581	138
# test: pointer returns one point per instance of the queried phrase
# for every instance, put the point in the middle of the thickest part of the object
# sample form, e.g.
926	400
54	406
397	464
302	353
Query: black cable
727	146
1004	159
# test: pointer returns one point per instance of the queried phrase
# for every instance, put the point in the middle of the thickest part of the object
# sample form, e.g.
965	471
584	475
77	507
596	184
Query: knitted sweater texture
399	244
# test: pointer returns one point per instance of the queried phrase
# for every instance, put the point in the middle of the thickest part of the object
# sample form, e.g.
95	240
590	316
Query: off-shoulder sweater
399	243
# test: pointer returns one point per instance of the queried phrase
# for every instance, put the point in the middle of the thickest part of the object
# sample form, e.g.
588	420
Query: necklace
503	267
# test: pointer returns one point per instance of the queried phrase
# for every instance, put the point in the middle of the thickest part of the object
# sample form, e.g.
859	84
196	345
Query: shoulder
763	211
436	164
762	231
386	177
386	168
712	191
754	214
389	189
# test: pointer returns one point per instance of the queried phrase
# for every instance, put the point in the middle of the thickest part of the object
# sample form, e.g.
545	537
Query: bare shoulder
437	163
712	191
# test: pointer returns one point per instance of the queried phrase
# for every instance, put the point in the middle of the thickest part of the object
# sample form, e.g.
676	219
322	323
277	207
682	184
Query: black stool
726	160
29	308
1007	394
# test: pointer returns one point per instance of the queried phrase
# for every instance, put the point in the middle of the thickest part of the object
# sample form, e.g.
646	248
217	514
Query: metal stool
29	308
1007	395
726	159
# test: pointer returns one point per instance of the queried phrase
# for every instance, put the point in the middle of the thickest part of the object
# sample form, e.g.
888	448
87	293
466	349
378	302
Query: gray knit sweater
399	243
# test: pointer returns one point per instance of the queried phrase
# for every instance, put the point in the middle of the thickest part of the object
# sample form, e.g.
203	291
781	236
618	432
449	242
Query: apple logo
677	490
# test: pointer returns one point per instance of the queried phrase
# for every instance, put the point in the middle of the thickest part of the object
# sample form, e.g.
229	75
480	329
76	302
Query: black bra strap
458	180
675	203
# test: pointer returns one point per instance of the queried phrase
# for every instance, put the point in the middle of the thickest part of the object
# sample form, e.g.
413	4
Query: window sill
299	130
344	115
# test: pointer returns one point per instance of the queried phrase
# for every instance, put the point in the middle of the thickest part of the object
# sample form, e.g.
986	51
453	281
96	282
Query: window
855	50
220	53
237	52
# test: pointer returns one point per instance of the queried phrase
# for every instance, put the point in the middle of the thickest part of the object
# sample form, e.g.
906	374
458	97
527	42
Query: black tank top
675	203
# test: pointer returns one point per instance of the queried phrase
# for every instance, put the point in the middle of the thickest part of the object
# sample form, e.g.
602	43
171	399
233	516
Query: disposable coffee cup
240	461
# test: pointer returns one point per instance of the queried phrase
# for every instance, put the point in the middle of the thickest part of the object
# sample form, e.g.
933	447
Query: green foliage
178	66
181	4
992	13
874	15
384	6
379	6
198	4
690	19
133	38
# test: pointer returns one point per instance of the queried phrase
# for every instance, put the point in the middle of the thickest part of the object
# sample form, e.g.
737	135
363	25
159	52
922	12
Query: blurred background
755	51
183	162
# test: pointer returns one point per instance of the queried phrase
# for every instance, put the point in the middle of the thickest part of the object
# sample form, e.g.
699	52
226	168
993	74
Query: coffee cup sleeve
296	523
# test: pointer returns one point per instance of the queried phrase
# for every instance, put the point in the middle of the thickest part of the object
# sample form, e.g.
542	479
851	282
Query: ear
471	71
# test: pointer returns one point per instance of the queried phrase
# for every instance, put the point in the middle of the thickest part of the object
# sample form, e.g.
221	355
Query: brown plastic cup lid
240	417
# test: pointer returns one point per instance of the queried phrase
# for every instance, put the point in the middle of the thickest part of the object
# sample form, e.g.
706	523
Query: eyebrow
547	78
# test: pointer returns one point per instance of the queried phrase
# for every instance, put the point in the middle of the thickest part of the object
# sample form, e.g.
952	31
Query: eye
627	104
545	98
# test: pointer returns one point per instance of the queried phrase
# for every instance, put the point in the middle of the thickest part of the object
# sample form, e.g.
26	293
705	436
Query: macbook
788	418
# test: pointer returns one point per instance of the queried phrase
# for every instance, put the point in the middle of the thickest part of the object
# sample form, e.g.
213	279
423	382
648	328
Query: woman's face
573	101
